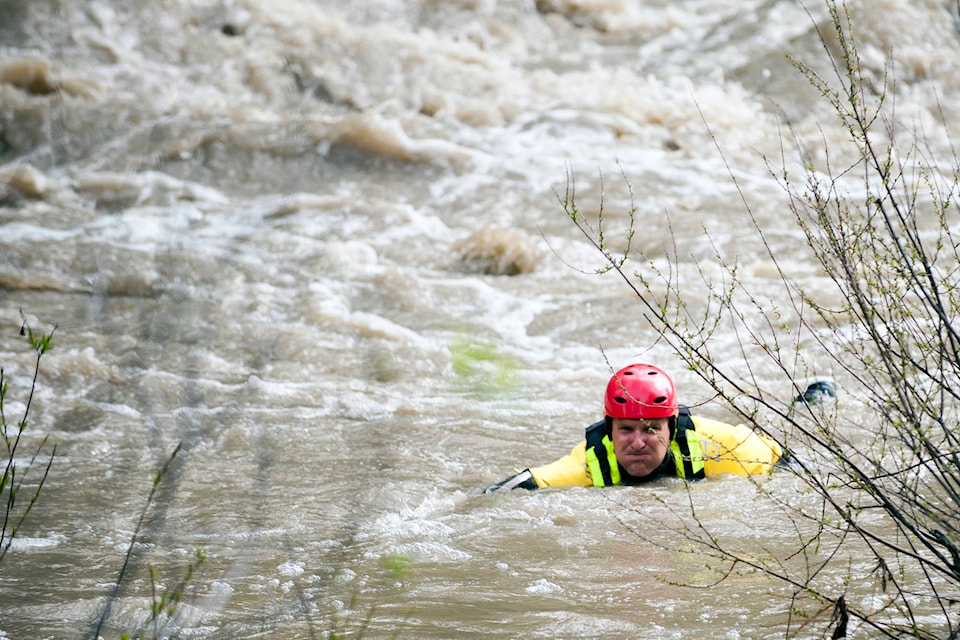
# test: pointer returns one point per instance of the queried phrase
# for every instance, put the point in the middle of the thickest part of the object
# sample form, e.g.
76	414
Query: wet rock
493	251
33	75
37	76
24	180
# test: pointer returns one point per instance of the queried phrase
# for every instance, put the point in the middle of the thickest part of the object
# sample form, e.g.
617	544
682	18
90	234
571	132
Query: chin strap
522	480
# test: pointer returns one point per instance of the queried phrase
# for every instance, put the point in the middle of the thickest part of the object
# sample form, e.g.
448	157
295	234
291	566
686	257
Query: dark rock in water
818	392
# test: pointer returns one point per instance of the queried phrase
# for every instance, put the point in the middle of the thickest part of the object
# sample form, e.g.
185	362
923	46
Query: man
646	434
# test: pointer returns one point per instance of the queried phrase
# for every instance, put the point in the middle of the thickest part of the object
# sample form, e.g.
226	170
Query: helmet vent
620	399
660	400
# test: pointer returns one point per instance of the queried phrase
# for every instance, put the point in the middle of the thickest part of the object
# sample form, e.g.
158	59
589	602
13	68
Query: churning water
319	244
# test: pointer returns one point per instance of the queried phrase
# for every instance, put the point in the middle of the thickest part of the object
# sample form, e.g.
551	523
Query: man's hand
522	480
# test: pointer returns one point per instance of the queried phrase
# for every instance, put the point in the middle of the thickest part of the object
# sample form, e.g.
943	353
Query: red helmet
641	391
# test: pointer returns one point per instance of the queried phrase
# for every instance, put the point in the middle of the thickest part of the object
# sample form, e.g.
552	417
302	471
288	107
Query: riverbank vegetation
170	595
23	475
878	215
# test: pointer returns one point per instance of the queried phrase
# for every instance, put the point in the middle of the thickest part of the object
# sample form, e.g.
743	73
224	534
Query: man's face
640	445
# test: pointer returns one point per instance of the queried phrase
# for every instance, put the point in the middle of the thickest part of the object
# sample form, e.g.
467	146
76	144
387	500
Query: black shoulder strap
595	434
691	471
596	430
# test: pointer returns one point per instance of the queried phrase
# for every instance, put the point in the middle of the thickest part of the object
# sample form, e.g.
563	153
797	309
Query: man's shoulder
704	424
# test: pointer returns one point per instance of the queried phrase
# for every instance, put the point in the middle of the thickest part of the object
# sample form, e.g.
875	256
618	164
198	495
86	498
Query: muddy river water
318	245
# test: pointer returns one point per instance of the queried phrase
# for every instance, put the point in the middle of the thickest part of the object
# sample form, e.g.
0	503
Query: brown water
254	226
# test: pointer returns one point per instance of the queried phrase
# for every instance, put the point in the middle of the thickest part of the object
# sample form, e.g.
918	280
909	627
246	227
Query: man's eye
652	429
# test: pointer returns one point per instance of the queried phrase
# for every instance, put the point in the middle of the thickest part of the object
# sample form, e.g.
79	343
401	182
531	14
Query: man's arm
568	471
